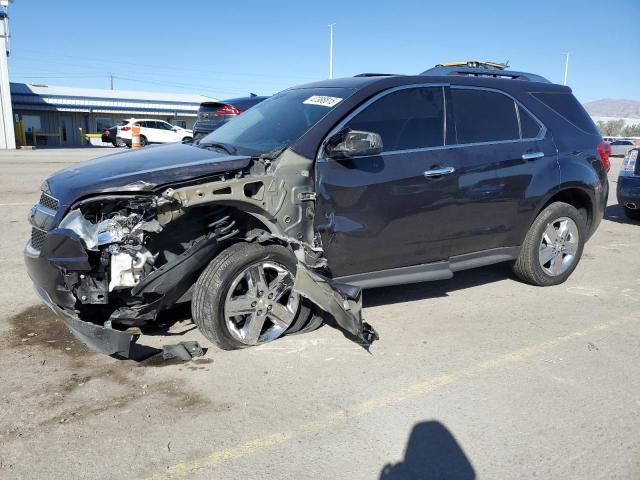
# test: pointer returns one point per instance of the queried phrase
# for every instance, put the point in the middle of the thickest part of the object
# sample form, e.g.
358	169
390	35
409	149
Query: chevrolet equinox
282	215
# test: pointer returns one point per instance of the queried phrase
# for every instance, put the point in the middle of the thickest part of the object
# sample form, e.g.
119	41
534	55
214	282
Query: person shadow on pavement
431	454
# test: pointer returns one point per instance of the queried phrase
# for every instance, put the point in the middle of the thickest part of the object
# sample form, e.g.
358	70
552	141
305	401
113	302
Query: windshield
278	121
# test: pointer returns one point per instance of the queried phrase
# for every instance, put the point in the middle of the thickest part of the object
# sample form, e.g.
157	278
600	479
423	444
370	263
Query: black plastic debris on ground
184	351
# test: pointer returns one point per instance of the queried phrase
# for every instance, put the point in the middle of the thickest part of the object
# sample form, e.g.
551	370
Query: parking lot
479	376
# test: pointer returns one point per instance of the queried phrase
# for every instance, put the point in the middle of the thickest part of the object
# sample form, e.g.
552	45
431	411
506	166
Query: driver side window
407	119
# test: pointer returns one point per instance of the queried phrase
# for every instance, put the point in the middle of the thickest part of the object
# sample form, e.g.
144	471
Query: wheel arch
575	195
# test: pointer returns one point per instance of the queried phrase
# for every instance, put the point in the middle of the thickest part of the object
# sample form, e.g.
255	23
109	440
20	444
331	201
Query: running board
430	271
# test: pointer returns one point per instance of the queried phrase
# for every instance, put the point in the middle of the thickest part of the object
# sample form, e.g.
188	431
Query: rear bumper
628	191
204	127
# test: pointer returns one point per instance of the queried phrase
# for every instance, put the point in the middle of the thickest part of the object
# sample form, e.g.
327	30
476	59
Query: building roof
49	97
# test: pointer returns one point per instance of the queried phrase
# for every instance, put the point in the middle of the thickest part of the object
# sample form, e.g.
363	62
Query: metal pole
566	68
110	81
331	25
7	134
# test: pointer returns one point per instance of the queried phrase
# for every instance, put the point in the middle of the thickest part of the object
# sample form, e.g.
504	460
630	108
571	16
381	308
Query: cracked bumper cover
62	247
97	338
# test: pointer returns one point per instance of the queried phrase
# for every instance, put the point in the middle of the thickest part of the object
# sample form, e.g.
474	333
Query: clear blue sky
225	49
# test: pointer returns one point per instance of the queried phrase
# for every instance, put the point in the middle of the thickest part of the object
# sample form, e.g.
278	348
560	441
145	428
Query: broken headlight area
137	264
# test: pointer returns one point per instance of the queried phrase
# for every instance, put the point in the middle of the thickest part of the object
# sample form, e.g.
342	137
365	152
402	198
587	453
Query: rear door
154	133
381	212
504	160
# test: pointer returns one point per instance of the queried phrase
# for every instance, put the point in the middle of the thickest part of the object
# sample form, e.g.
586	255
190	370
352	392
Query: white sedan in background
621	147
154	131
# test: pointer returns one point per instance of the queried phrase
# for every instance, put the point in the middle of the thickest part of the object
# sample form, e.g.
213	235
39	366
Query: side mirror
353	143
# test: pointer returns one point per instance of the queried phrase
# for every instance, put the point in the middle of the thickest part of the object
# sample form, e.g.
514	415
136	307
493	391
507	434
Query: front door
67	131
380	212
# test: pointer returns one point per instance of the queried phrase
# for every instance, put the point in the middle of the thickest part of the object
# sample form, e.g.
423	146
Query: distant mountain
615	108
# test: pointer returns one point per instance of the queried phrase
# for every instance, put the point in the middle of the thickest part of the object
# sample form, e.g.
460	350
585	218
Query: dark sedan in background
212	115
629	184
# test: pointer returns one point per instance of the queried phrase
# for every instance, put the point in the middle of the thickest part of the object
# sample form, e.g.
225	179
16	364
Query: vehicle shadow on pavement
432	453
615	213
421	291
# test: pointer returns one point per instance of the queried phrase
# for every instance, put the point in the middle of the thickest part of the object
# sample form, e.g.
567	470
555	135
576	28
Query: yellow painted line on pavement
389	399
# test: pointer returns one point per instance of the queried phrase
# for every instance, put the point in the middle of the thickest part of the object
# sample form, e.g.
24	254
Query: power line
135	64
263	83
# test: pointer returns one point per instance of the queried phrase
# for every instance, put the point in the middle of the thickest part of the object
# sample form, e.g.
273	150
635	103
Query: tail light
604	150
228	110
630	160
125	129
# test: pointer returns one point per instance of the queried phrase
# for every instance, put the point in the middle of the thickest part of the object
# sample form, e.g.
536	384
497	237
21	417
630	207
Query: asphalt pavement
479	376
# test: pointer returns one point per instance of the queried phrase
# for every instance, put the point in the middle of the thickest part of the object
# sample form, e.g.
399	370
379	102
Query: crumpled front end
105	267
115	261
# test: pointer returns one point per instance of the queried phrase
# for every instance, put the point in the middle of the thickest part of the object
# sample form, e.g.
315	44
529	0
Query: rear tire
143	141
631	213
553	246
216	291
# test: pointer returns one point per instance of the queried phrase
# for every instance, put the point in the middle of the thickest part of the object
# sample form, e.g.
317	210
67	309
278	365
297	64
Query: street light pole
566	68
7	135
331	25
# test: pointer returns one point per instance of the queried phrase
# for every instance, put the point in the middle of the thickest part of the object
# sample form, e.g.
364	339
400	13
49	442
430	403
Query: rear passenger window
529	127
567	106
483	116
406	119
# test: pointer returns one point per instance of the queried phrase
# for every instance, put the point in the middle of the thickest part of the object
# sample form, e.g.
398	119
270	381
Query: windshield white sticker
322	101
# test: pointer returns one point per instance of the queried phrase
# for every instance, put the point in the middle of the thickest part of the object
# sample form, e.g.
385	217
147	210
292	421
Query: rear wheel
631	213
143	141
245	296
553	246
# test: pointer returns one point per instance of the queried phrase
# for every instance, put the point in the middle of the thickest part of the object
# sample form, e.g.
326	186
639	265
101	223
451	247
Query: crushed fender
343	302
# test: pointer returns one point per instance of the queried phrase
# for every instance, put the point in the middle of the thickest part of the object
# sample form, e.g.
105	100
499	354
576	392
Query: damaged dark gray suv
290	209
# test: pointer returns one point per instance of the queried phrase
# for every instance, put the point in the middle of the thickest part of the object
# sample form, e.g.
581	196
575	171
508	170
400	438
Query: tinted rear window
246	104
407	119
568	107
483	116
209	107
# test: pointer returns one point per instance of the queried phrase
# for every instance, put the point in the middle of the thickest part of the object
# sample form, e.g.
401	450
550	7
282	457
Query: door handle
532	156
438	172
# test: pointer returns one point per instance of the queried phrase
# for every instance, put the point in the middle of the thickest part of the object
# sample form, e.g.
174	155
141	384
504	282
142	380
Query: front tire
245	296
553	246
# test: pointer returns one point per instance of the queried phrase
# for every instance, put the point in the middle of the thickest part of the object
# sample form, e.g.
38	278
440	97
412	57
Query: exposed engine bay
143	252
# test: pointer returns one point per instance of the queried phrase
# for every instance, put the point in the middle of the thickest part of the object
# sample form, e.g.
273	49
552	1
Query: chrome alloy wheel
261	303
558	246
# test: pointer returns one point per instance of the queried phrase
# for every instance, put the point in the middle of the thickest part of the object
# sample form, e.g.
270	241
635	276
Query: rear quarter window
568	107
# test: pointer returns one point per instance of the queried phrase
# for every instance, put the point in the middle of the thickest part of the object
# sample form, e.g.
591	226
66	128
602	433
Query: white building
59	115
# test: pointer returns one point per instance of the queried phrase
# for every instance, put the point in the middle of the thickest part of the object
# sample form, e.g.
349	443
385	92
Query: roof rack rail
482	69
376	75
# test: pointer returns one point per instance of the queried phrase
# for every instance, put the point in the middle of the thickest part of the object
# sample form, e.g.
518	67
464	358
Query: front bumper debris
343	302
98	338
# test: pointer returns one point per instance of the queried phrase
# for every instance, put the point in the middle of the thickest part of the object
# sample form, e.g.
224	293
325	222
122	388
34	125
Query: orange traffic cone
135	136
